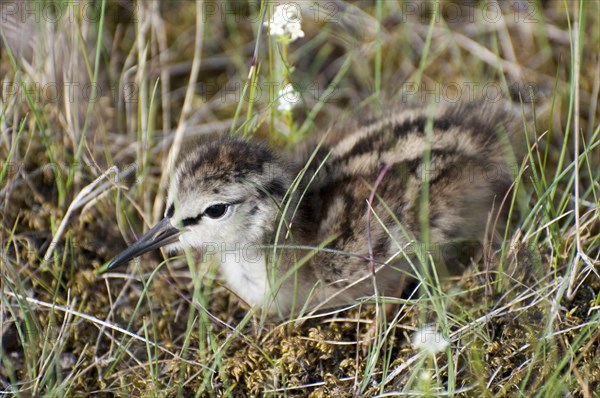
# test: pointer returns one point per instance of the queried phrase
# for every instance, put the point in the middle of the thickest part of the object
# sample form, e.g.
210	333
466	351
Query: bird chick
342	219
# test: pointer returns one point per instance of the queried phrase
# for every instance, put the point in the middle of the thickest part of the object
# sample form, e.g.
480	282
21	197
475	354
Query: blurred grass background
91	85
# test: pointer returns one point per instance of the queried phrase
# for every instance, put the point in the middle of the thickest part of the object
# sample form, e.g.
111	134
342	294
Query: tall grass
150	78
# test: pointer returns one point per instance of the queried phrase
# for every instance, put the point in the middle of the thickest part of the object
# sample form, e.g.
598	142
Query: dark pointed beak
160	235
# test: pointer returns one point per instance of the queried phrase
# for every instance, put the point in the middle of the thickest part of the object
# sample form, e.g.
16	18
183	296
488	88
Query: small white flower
285	22
428	339
425	376
288	98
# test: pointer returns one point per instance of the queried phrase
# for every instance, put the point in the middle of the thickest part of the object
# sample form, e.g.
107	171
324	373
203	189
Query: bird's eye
216	211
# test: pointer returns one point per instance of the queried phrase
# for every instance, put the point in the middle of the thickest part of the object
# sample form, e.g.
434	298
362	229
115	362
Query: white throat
244	269
249	275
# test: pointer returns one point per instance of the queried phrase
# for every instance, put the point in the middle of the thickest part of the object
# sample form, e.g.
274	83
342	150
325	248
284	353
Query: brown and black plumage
357	196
